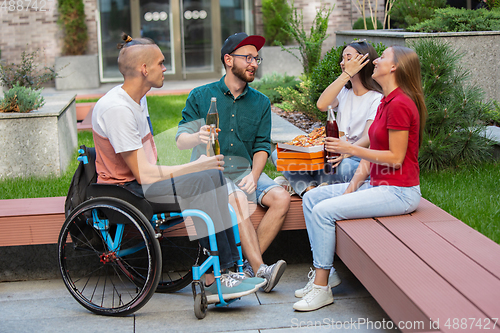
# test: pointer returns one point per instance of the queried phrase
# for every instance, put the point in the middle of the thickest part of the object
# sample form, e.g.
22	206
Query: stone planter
78	72
481	51
40	142
279	61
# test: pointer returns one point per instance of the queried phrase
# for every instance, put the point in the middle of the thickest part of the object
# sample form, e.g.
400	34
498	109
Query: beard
240	73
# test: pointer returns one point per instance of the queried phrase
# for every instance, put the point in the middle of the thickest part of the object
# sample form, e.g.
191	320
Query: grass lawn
471	195
165	114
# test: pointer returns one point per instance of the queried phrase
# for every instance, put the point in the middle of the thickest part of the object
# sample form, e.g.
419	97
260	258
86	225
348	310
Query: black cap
241	39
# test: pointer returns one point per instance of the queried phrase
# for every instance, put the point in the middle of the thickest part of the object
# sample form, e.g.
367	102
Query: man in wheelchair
126	155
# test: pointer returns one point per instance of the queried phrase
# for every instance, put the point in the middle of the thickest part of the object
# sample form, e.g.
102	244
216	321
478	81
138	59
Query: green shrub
274	23
454	128
298	99
326	72
358	25
492	116
492	4
329	69
309	44
455	20
21	99
268	84
26	74
72	21
405	13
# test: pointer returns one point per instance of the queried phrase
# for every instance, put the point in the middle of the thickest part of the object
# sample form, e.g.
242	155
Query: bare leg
321	278
278	201
209	278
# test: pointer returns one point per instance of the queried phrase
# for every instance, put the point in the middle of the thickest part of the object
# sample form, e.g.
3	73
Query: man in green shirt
245	141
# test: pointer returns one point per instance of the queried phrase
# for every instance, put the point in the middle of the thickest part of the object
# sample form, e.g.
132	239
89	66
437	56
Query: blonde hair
408	78
128	59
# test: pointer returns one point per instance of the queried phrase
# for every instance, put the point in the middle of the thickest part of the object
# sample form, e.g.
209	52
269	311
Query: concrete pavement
46	306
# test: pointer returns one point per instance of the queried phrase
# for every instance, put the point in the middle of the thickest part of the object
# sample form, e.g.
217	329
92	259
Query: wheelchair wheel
108	256
200	306
179	256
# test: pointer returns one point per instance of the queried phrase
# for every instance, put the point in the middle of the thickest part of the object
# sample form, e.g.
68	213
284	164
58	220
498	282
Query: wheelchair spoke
110	282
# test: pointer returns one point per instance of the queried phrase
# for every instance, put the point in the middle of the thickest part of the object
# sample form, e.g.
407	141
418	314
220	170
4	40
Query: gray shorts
264	185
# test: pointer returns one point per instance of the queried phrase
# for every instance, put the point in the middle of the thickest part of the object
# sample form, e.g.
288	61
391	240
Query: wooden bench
426	269
422	268
39	220
31	221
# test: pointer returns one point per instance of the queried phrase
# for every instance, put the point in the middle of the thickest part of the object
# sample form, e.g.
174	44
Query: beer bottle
213	146
332	131
213	115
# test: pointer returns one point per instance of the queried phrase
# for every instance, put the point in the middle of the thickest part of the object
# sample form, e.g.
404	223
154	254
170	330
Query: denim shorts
264	185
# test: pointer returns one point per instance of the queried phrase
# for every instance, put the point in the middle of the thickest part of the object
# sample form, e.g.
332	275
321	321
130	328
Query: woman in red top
391	161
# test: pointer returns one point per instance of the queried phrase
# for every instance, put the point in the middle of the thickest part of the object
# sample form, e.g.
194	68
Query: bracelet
350	76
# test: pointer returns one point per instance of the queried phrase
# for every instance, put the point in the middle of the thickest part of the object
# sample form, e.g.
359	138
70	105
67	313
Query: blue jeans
300	180
323	206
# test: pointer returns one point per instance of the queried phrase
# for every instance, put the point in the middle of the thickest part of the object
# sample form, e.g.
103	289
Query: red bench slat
34	206
404	286
427	212
456	268
475	245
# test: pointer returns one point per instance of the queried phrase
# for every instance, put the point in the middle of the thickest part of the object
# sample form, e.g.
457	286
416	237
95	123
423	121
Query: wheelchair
116	249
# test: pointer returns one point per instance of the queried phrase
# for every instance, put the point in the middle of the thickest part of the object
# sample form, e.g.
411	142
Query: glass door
189	32
157	24
197	42
114	19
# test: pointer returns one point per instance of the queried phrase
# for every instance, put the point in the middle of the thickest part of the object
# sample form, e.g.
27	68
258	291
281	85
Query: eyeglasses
249	58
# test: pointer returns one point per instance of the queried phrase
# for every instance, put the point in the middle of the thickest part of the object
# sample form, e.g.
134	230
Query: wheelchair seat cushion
119	192
165	204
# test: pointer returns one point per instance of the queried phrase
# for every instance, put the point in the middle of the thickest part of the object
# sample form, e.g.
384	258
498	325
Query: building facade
189	32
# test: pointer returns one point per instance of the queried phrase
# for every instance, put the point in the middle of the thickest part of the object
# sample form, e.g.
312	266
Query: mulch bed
298	119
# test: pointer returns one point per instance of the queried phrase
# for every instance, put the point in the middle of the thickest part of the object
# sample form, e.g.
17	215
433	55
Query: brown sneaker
310	187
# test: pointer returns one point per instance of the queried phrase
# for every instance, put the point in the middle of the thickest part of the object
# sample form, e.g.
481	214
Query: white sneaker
258	282
316	298
230	289
333	281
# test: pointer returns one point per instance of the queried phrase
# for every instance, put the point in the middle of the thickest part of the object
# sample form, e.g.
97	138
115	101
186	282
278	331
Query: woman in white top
356	98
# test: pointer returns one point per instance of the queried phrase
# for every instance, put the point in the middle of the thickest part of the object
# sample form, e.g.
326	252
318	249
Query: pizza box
289	160
313	149
282	166
292	154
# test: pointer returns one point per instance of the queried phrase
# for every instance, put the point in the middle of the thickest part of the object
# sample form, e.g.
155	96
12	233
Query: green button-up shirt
245	124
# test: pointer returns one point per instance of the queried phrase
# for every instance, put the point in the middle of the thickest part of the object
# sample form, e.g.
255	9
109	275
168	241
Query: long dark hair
365	74
408	78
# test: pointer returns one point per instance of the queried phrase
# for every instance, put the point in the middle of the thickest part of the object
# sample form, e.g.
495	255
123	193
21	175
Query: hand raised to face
352	64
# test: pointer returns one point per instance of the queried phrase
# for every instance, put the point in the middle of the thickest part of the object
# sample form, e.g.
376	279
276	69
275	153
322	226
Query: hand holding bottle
212	162
204	135
338	146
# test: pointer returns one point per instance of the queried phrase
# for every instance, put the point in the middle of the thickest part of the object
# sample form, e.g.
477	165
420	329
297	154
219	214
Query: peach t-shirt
120	125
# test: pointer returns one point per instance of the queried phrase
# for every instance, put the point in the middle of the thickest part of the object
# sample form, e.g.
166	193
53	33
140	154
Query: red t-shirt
397	112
